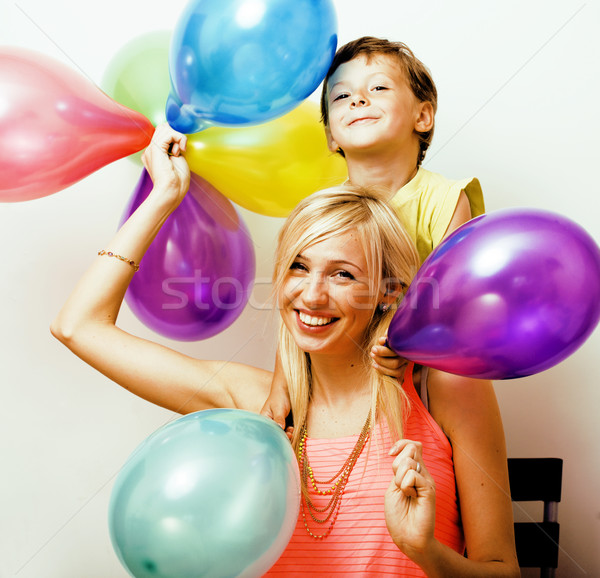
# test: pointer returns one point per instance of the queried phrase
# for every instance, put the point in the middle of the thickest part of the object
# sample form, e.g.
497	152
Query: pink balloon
57	127
508	294
197	276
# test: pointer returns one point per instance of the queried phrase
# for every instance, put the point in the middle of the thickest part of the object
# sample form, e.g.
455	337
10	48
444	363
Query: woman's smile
314	321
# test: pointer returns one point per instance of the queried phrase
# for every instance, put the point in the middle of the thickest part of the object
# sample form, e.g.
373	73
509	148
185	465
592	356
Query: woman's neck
340	396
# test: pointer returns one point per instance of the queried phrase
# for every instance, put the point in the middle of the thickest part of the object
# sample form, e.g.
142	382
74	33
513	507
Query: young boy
378	107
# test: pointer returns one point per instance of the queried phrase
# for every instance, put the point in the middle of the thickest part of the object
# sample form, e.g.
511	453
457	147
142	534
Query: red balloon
57	127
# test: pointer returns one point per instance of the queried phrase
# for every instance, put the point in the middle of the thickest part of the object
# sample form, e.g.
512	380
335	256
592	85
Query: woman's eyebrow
344	262
334	262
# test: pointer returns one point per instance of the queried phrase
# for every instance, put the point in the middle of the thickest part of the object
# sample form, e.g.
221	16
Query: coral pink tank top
359	543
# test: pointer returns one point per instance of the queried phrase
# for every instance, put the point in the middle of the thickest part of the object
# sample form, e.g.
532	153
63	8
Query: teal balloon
243	62
215	493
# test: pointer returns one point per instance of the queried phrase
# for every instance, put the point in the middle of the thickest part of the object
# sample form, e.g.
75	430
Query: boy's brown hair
417	74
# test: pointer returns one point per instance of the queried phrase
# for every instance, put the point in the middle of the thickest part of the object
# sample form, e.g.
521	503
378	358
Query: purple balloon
197	275
506	295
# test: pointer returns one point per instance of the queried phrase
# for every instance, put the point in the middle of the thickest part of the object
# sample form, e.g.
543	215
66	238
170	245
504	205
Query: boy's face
371	107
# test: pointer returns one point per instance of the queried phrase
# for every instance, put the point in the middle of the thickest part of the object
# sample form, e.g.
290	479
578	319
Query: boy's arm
462	214
277	407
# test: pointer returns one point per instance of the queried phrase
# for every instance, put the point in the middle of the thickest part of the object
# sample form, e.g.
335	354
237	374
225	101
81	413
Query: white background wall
519	93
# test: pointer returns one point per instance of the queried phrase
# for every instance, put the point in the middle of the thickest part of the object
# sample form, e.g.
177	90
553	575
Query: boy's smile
363	120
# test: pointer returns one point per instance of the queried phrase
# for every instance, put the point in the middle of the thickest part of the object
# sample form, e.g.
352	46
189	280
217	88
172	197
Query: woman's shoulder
457	402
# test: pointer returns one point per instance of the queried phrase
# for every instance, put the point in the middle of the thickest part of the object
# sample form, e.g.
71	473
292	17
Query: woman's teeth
309	320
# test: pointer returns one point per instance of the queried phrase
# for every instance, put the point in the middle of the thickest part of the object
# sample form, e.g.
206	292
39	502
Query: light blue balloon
241	62
215	493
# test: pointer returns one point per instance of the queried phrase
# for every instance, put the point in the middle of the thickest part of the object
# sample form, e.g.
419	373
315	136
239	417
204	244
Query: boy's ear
331	144
424	122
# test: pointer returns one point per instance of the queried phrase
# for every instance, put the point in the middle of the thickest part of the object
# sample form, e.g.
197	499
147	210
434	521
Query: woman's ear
424	122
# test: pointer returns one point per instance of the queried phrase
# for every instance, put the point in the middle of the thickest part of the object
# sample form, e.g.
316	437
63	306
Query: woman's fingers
166	141
165	162
169	138
409	469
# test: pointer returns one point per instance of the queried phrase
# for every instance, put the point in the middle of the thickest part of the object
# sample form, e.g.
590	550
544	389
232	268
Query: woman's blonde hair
392	261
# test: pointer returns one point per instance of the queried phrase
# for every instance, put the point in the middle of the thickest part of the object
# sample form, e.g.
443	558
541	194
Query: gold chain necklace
339	481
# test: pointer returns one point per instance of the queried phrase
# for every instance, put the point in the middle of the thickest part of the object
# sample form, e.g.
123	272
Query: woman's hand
165	162
410	501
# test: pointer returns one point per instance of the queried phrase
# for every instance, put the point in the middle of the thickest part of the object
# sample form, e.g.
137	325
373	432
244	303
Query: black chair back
537	479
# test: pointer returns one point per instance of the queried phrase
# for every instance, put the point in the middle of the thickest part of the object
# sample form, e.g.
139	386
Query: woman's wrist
428	557
163	201
140	229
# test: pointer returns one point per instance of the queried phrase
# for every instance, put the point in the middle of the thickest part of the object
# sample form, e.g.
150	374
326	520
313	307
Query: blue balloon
242	62
213	494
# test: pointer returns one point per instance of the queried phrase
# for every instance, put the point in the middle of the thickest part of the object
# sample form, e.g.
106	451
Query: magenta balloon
508	294
196	278
57	127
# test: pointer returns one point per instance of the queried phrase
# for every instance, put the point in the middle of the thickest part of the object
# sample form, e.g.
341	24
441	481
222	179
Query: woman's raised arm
86	323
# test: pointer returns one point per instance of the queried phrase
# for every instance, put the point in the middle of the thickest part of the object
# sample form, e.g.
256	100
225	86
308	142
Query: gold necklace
339	481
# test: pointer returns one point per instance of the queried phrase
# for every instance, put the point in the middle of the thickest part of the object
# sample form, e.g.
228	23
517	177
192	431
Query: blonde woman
389	486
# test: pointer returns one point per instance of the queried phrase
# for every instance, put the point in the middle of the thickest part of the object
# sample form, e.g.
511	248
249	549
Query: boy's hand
277	407
386	361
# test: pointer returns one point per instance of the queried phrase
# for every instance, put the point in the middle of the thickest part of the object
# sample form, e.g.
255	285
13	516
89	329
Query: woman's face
326	299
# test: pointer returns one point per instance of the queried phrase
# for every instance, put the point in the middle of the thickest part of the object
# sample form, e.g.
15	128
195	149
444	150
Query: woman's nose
316	291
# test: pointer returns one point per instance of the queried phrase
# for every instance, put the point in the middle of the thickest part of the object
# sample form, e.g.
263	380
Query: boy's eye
379	87
340	96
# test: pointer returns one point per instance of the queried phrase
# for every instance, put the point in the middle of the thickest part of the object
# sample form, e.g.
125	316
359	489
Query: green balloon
138	75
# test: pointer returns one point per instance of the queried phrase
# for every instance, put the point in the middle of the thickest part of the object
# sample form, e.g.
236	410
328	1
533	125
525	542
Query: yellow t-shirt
426	204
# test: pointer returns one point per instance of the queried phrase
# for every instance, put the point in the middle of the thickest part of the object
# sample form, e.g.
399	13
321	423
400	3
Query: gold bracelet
130	262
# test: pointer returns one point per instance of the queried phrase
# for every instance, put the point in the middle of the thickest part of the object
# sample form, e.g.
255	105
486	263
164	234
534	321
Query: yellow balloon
268	168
